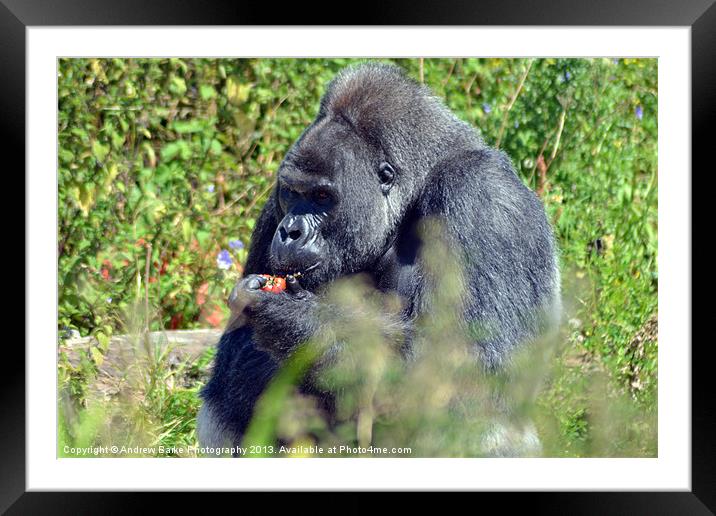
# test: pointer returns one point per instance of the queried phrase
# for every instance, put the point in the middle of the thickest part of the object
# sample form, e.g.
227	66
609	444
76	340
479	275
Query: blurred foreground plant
152	399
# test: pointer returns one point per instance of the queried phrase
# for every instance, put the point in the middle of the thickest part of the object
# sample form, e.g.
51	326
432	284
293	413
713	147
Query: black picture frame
17	15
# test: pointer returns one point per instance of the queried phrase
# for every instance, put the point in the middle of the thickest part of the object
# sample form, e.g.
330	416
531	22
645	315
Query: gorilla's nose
291	231
296	244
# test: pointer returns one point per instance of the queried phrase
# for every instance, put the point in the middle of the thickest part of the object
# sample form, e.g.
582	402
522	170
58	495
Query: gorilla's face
338	205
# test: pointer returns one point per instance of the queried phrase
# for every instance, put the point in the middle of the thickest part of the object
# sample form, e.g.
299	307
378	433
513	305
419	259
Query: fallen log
123	354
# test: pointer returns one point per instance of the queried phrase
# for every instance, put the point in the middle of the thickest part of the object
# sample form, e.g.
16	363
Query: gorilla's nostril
294	234
282	234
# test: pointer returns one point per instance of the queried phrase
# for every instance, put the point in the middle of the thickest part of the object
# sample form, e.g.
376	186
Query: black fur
438	167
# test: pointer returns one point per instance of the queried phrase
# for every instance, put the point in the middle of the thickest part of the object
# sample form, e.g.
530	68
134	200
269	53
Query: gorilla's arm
241	373
280	321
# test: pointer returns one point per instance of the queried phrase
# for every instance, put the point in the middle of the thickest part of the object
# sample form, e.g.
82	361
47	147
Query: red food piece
274	284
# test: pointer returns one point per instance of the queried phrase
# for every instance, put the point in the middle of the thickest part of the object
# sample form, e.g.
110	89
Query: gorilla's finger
295	288
292	284
255	282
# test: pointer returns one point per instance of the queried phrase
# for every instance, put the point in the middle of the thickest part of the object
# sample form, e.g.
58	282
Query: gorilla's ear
386	173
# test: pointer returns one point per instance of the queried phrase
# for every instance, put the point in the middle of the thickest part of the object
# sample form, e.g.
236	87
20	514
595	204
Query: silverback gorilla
382	154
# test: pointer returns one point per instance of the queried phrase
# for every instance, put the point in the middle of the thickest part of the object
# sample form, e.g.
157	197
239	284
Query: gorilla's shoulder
478	192
484	174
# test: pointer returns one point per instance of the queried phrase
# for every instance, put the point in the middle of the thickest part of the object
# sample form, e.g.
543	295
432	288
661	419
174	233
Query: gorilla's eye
321	197
386	174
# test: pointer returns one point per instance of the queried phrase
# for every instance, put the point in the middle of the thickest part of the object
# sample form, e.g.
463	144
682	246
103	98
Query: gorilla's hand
280	321
246	293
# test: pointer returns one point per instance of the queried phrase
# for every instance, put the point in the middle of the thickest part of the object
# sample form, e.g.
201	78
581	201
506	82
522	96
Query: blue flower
517	124
567	75
210	188
236	244
639	112
615	61
109	299
223	260
486	108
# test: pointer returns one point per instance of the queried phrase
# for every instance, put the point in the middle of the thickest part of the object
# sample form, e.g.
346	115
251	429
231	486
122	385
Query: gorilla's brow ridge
308	161
297	179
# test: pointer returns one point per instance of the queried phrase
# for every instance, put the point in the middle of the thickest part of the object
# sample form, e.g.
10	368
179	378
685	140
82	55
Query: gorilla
382	154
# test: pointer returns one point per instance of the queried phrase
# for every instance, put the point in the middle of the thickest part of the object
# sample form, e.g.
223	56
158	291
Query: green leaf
186	230
117	140
102	341
80	133
86	198
158	210
99	151
112	173
178	148
207	91
97	356
66	156
203	237
236	92
191	126
149	151
177	86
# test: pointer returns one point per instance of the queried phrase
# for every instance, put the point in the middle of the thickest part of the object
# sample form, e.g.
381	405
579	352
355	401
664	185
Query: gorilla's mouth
304	279
300	273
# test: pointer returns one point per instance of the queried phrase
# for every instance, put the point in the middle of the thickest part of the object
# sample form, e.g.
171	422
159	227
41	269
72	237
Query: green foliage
155	406
164	163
